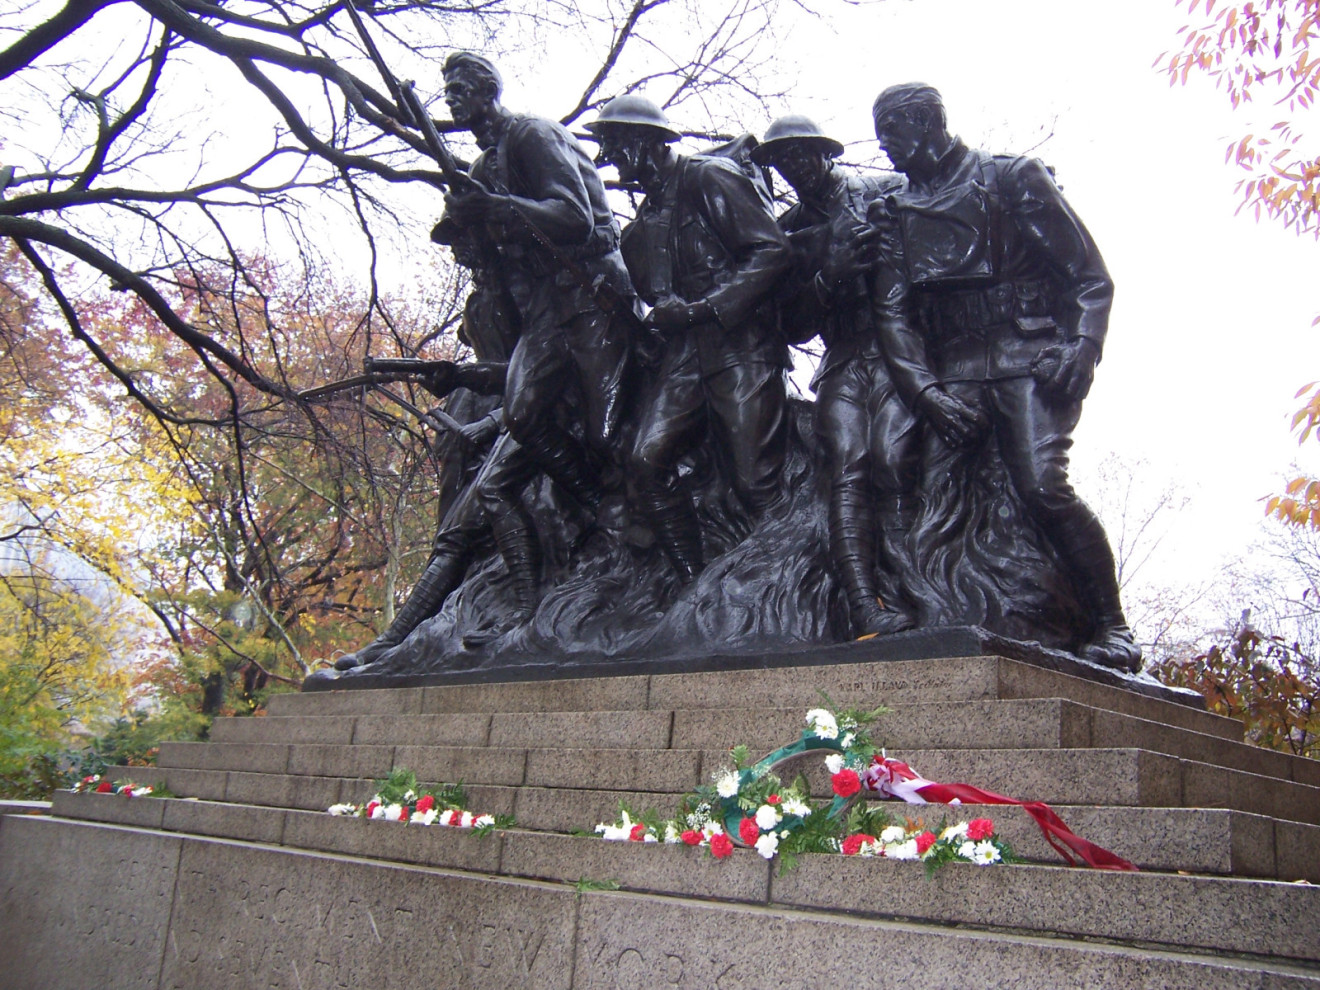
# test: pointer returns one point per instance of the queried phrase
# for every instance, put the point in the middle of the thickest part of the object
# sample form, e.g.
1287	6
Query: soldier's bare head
910	124
472	86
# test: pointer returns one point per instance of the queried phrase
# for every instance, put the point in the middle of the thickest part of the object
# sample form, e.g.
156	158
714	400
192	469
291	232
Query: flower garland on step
750	806
96	784
968	842
399	798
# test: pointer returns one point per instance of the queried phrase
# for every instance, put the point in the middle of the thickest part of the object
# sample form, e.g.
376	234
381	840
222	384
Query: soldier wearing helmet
869	436
1013	303
705	252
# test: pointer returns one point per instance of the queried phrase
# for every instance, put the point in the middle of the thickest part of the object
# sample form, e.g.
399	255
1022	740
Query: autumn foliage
1267	53
1269	684
157	572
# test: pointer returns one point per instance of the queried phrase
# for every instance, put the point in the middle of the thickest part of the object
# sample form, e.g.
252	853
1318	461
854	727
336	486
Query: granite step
1216	915
1197	840
1030	723
1110	775
850	685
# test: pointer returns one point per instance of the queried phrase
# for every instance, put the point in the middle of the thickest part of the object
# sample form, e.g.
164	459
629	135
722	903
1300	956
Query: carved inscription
287	922
92	901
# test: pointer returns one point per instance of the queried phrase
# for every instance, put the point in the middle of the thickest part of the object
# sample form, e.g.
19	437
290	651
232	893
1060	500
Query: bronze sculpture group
650	487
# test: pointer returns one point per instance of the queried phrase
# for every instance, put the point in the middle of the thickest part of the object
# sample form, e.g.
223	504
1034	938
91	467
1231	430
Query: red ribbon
1057	834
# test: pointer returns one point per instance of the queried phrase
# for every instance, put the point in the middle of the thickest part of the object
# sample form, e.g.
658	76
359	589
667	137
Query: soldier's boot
565	460
852	542
521	551
444	572
518	545
673	518
1092	561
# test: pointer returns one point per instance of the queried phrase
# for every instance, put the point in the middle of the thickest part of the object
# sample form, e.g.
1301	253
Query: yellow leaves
58	666
1299	506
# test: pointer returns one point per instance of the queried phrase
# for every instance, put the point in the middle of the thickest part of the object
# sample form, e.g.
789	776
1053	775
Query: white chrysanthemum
902	850
834	762
342	809
847	741
140	791
649	837
767	817
967	849
984	853
712	829
393	812
481	821
893	833
465	820
409	797
726	785
822	722
796	806
958	831
767	845
424	817
378	811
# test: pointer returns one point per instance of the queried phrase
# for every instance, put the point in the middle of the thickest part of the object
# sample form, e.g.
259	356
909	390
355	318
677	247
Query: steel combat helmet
631	110
794	129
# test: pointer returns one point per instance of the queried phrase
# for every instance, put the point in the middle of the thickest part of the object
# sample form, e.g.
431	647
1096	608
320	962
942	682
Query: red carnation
691	838
104	787
638	833
749	831
721	845
772	799
980	828
924	841
853	844
426	804
846	783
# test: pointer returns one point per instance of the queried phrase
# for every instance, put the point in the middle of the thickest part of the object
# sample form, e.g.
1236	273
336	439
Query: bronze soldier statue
870	438
1012	299
536	195
490	328
705	252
